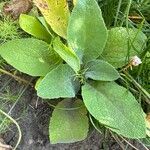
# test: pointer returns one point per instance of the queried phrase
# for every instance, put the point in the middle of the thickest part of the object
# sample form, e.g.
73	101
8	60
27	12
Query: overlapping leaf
67	54
32	26
58	83
101	70
56	13
87	33
115	107
30	56
69	122
122	45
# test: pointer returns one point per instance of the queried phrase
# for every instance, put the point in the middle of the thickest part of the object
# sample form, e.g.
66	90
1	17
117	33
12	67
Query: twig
135	17
129	143
20	95
17	125
7	115
16	77
118	141
143	145
5	146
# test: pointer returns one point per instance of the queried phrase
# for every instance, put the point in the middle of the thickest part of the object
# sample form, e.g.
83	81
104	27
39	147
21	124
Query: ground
33	114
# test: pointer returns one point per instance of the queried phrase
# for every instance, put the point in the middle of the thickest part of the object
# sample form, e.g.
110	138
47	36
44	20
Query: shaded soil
33	116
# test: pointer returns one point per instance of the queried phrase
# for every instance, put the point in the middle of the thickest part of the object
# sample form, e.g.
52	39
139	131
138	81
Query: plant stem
117	13
15	77
127	14
133	90
137	85
17	125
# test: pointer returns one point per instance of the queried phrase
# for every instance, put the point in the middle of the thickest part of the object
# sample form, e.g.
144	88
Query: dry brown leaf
16	7
148	124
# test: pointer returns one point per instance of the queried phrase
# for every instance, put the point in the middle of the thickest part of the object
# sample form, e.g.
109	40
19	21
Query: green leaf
122	45
69	122
115	107
56	13
32	26
101	70
30	56
87	33
67	54
59	83
38	82
45	24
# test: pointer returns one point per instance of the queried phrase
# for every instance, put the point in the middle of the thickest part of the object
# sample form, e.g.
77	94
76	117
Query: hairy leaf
32	26
115	107
38	82
69	122
67	54
58	83
45	24
87	33
56	14
101	70
30	56
122	45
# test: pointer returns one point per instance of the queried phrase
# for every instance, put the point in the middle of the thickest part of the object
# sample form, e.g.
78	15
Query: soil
33	116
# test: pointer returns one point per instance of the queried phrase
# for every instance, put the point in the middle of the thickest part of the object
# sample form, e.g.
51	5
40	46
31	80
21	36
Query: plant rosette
70	68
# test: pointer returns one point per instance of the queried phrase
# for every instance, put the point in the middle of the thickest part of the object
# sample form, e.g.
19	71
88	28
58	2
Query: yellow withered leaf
74	2
56	13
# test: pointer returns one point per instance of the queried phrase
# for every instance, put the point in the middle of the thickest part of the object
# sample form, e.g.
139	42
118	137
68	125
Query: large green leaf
67	54
87	33
115	107
122	45
101	70
30	56
32	26
56	14
58	83
69	122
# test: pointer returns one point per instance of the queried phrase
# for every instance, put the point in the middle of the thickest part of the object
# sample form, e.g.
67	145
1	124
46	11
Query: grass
12	99
9	30
132	13
17	125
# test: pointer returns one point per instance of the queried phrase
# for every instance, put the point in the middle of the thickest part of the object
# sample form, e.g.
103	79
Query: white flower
135	61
